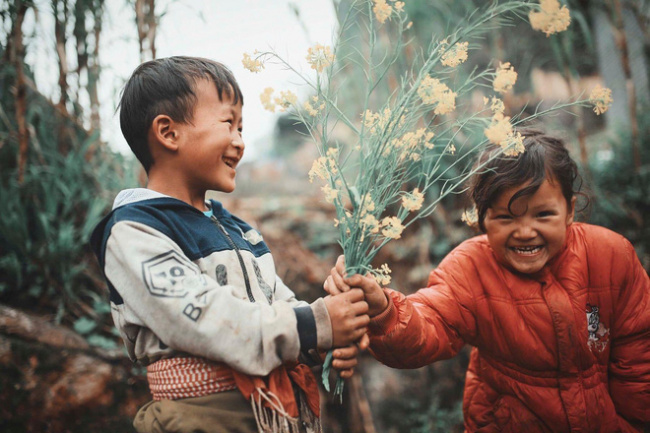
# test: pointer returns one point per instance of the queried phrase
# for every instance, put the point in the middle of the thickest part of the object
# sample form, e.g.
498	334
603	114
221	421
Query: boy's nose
238	142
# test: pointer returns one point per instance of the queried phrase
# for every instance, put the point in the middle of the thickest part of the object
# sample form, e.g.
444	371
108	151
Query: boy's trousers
223	412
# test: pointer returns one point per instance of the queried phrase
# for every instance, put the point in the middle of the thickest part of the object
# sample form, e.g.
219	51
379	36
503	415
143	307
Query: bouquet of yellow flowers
408	149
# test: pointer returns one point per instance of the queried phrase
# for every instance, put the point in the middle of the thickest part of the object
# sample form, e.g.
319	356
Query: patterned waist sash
174	378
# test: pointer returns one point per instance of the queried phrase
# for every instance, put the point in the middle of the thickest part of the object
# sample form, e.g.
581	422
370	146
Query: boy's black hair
166	86
545	157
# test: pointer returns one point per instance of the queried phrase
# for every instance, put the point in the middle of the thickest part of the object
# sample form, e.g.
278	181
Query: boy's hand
348	314
345	358
337	283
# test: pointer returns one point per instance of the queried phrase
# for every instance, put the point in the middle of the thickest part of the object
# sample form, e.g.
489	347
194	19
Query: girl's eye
546	213
229	121
503	217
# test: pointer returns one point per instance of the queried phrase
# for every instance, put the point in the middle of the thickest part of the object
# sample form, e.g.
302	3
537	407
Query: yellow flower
325	167
499	129
265	98
367	205
318	169
505	78
514	145
496	105
382	10
369	223
432	91
399	6
392	227
500	132
551	18
330	193
319	57
286	99
376	122
313	110
382	275
456	55
253	65
470	217
601	97
451	148
413	201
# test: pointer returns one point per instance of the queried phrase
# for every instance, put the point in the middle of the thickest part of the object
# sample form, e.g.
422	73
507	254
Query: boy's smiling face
535	232
211	145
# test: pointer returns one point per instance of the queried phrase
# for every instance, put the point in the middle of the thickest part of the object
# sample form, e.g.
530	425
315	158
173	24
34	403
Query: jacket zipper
249	292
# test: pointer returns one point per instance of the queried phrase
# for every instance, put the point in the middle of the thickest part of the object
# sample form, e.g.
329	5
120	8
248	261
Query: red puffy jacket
569	351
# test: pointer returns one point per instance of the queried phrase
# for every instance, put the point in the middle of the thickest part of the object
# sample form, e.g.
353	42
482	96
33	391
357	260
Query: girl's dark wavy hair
167	86
545	157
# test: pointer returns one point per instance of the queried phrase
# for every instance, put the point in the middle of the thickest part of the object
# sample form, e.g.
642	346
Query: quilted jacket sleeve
430	325
629	366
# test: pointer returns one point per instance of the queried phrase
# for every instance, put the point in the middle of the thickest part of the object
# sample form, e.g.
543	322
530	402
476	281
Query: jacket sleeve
629	364
430	325
321	325
164	291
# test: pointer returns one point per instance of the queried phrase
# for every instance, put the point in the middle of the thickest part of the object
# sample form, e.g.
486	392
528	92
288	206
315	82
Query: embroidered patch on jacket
253	237
598	334
166	273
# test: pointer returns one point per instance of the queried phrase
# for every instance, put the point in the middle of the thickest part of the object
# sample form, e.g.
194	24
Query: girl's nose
525	231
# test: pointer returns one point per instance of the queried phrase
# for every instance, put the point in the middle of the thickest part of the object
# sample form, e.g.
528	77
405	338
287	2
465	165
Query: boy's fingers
355	295
361	322
360	308
344	364
346	352
346	374
358	333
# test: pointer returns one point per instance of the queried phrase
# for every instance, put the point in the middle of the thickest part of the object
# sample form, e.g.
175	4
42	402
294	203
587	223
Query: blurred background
62	161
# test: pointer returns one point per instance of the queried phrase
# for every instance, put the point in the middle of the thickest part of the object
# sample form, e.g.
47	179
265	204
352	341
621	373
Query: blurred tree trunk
93	69
60	12
17	58
145	17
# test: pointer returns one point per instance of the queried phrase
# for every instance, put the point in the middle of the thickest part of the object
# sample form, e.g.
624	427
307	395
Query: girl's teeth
527	250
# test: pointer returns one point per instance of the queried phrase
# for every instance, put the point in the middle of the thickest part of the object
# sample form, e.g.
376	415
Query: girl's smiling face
530	233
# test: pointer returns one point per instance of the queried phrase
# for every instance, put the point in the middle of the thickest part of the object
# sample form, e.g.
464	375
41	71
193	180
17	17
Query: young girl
557	312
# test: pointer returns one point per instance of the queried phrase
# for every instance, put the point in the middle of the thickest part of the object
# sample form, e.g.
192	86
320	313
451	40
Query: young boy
193	289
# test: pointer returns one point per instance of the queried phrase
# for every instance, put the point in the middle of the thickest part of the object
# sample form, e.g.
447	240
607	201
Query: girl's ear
164	132
571	211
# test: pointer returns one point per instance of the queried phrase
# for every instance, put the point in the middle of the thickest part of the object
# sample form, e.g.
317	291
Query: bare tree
145	16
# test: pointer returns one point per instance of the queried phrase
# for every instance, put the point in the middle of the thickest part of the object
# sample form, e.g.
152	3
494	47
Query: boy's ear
164	131
571	211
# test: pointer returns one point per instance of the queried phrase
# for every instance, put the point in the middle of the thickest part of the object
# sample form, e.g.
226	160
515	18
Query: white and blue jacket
183	283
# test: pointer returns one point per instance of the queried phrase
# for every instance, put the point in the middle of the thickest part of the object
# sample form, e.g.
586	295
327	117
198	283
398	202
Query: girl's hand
375	296
345	358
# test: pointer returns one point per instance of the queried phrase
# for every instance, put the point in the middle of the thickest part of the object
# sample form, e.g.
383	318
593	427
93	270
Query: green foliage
46	221
620	183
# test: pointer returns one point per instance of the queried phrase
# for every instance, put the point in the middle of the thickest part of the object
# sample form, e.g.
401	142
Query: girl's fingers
340	265
338	280
330	286
364	342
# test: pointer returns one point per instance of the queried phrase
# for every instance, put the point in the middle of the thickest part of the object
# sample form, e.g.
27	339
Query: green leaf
101	342
84	325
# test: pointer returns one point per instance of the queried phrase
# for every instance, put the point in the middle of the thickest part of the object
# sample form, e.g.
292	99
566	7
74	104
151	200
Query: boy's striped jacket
183	283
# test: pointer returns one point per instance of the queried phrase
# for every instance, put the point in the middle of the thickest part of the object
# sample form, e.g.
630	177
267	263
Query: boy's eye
545	213
503	217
